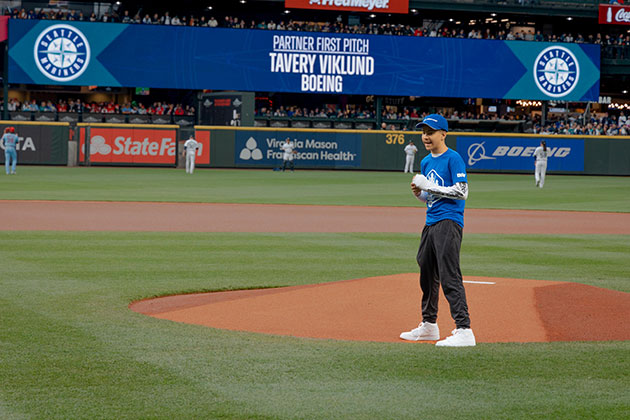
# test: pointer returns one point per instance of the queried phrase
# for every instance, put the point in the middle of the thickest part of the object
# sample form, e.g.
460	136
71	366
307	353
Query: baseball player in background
410	152
443	185
10	142
541	163
190	150
289	153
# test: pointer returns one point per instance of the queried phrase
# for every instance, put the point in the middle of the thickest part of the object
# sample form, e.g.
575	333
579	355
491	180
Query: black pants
290	163
438	258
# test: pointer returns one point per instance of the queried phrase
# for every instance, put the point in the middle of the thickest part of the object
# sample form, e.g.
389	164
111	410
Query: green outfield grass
579	193
71	349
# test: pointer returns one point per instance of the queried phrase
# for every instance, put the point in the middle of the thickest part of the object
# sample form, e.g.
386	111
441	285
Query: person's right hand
415	189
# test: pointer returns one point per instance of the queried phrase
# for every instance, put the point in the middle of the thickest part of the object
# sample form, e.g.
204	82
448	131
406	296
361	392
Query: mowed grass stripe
579	193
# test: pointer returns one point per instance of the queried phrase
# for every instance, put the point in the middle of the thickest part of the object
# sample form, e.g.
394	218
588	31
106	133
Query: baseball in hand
421	182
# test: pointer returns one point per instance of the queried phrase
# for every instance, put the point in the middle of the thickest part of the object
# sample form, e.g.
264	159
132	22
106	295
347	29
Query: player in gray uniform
541	163
10	142
287	157
410	155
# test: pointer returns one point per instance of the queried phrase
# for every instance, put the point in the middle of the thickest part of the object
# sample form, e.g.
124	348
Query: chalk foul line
479	282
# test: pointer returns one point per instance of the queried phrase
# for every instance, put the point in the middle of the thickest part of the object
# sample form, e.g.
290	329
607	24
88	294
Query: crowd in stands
435	29
367	112
72	105
349	112
607	125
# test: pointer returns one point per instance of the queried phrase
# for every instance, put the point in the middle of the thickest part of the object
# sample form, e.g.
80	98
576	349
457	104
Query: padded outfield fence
40	142
256	147
383	150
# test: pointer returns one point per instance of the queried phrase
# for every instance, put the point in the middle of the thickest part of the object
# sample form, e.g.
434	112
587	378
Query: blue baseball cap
435	121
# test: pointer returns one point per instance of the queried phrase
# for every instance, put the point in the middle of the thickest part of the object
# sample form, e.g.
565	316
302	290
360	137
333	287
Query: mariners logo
62	53
556	71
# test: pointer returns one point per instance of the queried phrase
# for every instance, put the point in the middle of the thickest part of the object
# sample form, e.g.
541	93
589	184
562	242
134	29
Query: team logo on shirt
556	71
62	53
434	177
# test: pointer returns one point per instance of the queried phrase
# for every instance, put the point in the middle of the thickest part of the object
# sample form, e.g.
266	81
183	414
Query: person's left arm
457	191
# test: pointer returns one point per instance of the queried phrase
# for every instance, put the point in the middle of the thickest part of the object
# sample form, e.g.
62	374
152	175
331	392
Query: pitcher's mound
380	308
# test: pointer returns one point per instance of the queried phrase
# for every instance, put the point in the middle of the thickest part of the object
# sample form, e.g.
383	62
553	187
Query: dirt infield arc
379	308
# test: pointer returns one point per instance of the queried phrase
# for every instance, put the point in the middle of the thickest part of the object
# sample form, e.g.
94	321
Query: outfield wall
130	145
41	143
249	147
383	150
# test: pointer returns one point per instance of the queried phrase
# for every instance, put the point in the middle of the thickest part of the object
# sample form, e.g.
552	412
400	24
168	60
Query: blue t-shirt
445	170
9	141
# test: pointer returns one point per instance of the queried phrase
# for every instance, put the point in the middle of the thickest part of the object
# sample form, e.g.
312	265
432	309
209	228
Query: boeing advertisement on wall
110	54
313	149
517	153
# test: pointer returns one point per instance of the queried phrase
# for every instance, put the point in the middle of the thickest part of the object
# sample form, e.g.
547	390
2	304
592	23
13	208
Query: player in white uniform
410	151
287	157
541	163
190	150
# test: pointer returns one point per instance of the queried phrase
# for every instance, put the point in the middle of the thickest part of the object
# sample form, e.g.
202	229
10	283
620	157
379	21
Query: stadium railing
74	117
472	125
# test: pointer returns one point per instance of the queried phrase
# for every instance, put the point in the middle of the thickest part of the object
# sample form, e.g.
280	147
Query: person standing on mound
443	185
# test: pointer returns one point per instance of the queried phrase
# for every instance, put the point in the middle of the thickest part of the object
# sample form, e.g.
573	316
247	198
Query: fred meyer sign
613	14
372	6
313	149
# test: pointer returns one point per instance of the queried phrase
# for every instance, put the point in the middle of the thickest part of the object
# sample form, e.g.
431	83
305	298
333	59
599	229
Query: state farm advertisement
614	14
145	146
369	6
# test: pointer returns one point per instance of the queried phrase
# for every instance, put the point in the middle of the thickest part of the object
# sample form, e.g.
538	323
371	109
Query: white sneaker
462	337
425	331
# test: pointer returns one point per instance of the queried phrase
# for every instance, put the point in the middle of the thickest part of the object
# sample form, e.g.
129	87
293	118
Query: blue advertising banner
517	153
313	149
111	54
